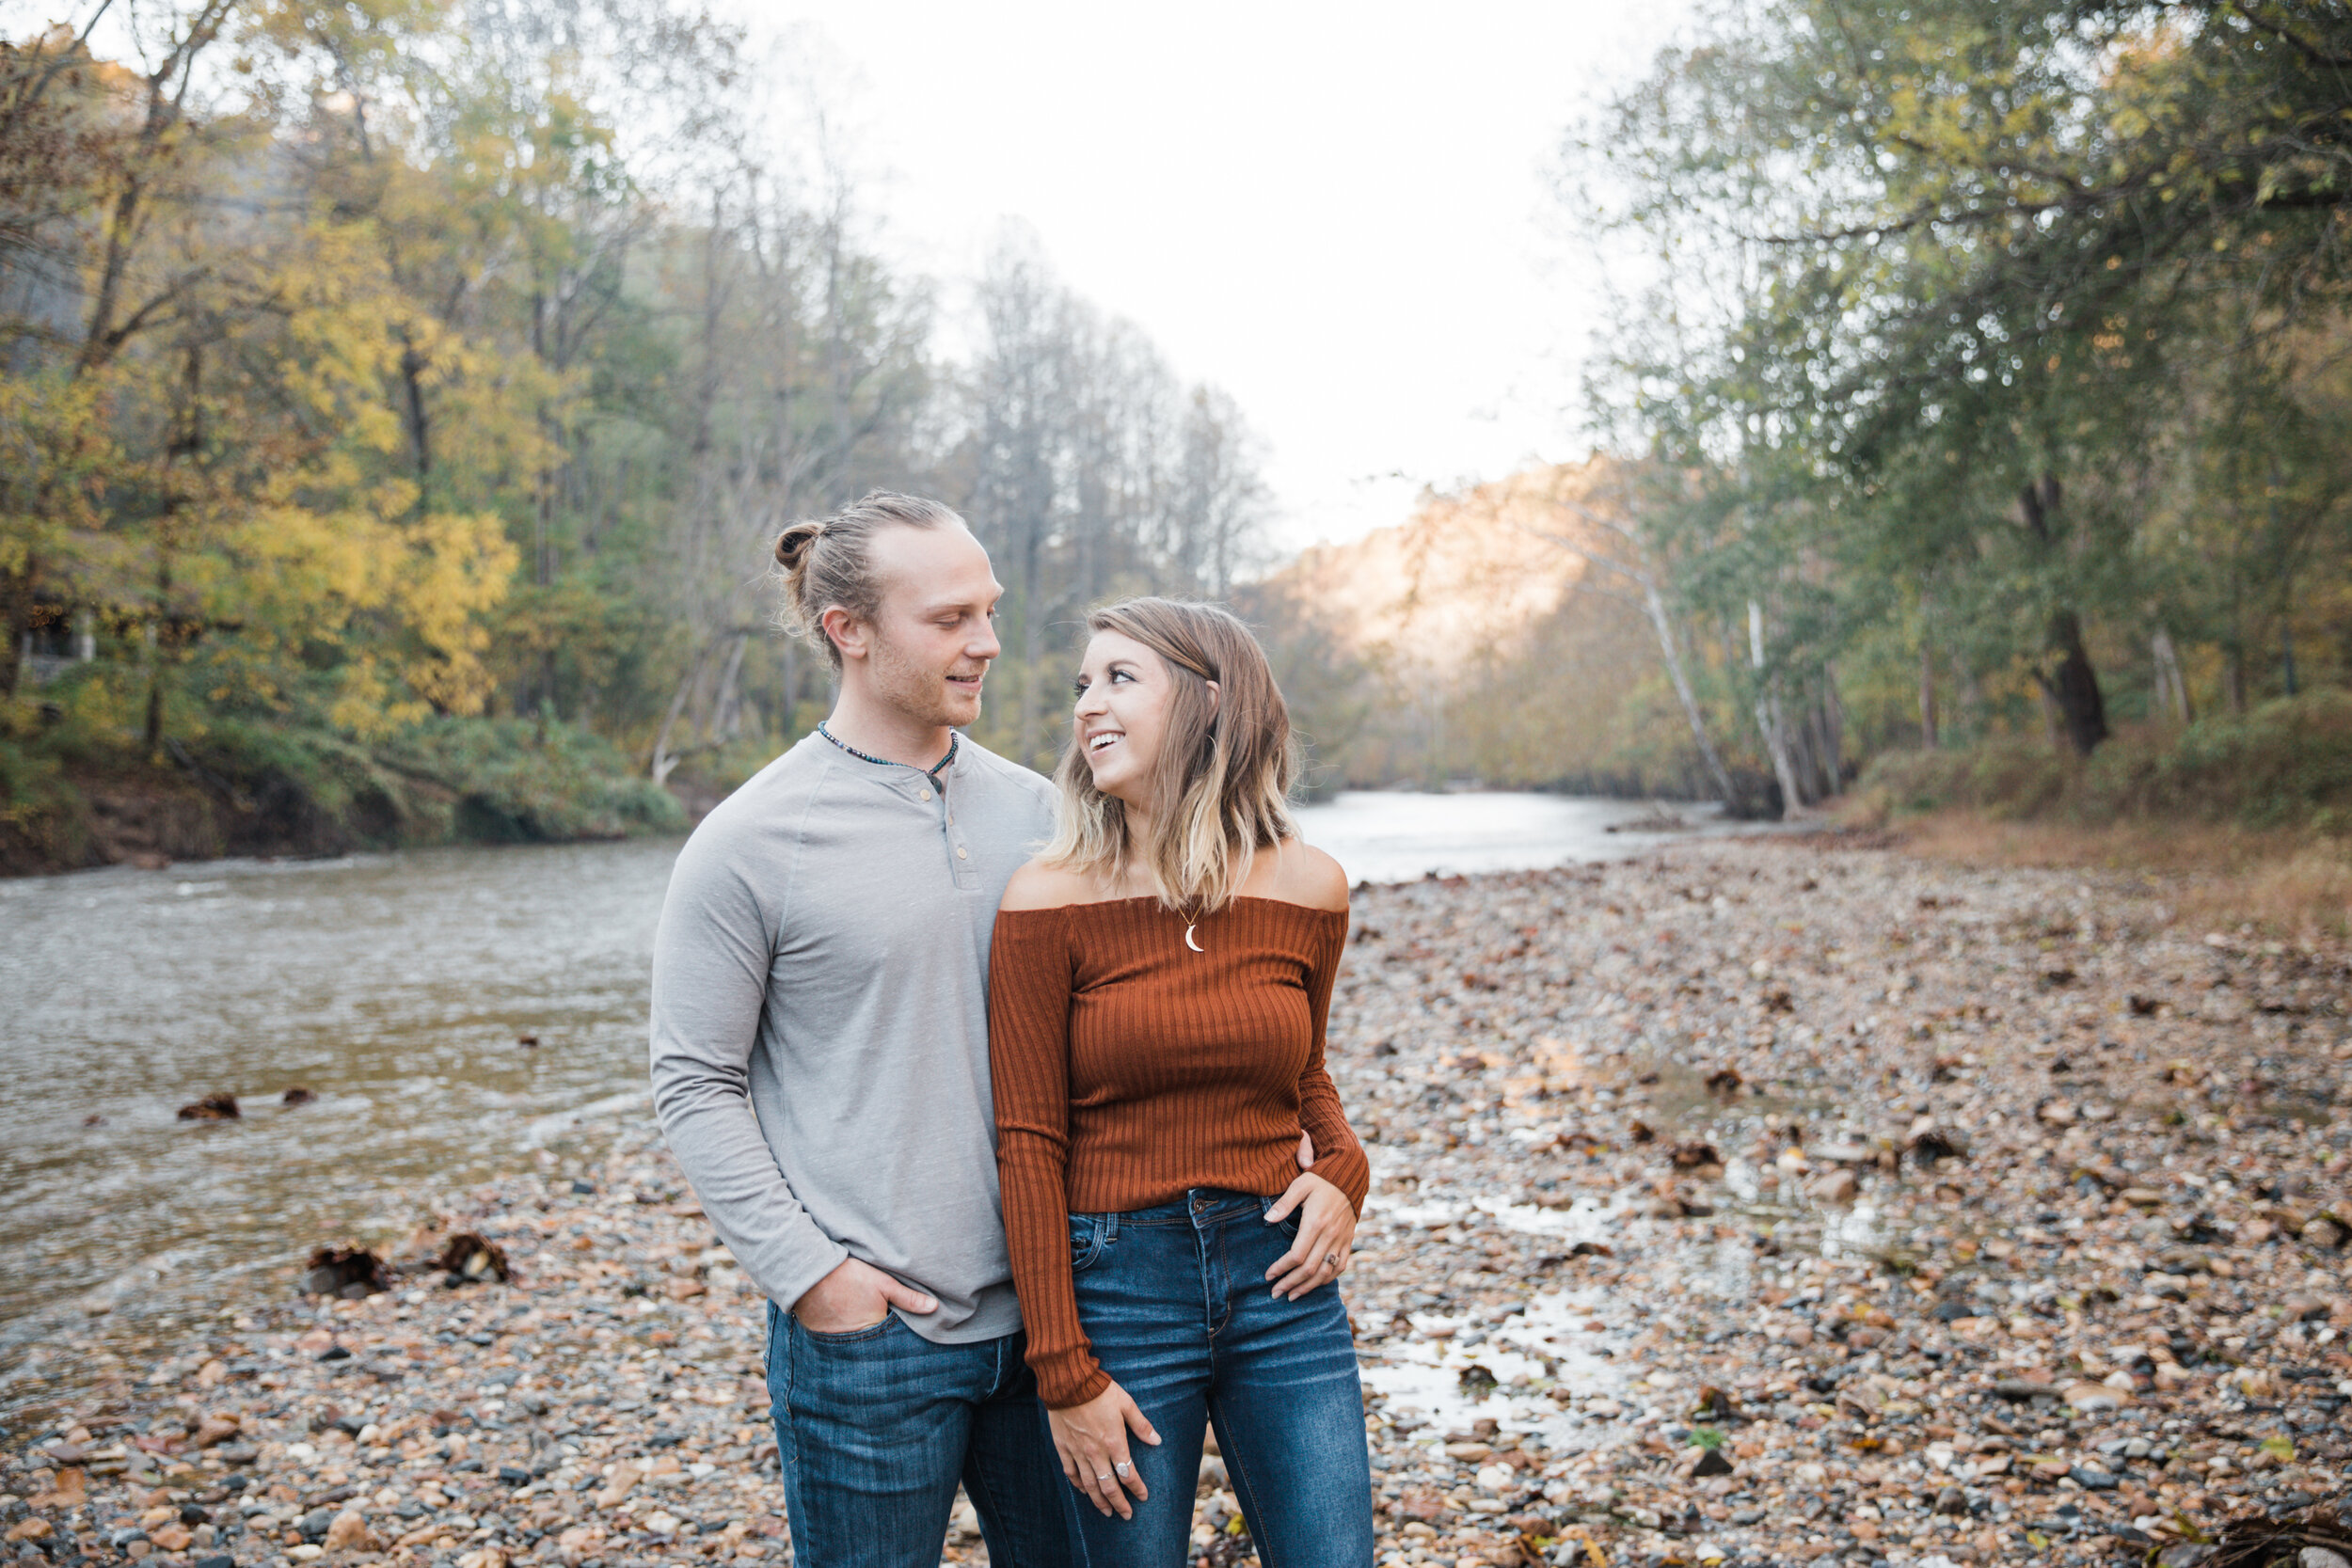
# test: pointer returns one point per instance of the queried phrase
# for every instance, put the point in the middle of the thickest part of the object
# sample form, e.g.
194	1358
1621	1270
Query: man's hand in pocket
856	1295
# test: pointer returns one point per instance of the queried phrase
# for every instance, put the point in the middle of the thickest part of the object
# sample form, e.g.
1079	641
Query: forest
1975	401
1982	372
397	398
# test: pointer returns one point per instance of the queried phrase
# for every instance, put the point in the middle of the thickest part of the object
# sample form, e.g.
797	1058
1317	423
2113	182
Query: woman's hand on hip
1327	1236
1091	1439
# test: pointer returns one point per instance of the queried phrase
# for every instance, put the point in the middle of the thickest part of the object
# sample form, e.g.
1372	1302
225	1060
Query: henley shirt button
922	794
961	854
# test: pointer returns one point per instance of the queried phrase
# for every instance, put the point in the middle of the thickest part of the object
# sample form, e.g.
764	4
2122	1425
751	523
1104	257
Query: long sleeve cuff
1069	1377
1346	1168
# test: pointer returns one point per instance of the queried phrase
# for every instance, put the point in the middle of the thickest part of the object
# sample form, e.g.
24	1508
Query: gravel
1765	1201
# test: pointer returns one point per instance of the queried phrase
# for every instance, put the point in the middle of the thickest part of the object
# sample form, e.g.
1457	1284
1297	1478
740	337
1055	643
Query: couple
1013	1145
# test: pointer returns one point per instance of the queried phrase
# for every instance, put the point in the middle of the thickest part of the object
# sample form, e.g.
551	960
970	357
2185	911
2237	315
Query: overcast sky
1343	214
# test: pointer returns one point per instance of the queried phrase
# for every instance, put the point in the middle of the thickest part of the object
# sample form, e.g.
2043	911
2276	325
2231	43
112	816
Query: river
400	990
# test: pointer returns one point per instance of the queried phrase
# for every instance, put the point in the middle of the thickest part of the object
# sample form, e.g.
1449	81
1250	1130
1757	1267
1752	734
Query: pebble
1720	1214
1948	1325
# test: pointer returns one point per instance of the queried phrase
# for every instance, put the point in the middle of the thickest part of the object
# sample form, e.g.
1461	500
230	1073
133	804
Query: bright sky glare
1341	213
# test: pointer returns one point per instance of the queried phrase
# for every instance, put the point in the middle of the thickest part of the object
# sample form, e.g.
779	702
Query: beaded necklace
931	772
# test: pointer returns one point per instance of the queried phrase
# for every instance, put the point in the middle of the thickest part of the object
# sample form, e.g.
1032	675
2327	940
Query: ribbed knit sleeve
1030	985
1338	1158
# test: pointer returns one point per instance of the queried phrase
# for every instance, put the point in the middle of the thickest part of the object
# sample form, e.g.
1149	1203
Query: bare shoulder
1302	873
1042	886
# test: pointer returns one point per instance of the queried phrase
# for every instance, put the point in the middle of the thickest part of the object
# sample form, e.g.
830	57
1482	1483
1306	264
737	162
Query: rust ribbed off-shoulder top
1128	1067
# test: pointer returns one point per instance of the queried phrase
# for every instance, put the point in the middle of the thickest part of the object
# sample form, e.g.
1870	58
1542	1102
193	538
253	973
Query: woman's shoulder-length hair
1226	763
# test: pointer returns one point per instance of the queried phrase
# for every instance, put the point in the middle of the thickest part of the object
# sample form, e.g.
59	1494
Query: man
820	1058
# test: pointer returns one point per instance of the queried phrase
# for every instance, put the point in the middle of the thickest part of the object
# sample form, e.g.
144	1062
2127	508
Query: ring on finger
1123	1468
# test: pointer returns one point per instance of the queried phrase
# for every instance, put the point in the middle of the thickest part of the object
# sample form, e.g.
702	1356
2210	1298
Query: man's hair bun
793	544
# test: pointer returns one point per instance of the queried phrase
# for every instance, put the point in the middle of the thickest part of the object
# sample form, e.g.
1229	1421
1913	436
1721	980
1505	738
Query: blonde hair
1224	772
826	560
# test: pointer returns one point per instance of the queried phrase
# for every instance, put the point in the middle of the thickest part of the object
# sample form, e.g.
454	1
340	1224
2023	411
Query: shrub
2285	765
517	781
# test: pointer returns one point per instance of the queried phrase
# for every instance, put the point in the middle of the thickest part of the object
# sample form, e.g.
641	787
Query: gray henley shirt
820	1023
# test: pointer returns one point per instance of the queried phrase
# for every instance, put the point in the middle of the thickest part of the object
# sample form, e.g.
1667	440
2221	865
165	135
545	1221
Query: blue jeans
876	1427
1178	1310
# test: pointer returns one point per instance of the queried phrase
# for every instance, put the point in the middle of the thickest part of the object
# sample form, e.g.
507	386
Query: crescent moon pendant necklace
1189	942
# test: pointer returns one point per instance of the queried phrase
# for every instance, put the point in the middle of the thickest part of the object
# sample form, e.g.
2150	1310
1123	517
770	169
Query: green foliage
2287	764
2005	334
41	821
368	369
514	779
243	786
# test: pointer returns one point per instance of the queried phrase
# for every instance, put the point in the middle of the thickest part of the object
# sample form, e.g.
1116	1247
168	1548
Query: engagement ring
1123	1466
1331	1261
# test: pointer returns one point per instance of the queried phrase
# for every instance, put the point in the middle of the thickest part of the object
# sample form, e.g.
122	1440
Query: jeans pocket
1287	1225
1087	1239
848	1337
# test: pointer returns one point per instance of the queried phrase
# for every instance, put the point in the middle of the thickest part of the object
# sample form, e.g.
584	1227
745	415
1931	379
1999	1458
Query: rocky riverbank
1762	1202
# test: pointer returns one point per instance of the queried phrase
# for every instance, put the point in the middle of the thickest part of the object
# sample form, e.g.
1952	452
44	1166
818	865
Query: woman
1158	992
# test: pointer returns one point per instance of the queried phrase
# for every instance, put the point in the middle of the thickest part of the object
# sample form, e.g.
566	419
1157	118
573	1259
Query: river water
397	988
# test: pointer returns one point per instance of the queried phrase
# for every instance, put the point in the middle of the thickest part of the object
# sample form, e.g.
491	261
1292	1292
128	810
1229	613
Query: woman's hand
1327	1235
1091	1439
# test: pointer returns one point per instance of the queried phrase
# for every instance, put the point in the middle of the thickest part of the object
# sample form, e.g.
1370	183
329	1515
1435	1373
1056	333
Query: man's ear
845	631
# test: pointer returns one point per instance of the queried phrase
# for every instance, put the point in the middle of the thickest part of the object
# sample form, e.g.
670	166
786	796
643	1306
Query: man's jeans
1176	1303
876	1427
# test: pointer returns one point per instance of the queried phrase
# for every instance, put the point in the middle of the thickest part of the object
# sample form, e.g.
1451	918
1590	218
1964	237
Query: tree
1933	289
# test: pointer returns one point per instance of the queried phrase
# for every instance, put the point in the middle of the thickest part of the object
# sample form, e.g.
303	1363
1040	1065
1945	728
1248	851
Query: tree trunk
727	707
154	729
1032	679
1927	695
1665	628
791	684
1832	733
99	339
16	613
1770	722
2072	686
2171	687
665	760
1030	586
419	420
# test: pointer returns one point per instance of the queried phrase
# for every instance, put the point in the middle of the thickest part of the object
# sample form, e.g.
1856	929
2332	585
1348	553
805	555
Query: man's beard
918	690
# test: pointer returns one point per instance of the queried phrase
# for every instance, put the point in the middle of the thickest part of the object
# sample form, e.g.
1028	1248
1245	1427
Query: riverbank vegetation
1978	377
1977	383
398	401
1974	385
2244	817
2286	766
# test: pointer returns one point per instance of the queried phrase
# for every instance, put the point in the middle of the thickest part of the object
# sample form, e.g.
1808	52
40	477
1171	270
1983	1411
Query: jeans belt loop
1110	1228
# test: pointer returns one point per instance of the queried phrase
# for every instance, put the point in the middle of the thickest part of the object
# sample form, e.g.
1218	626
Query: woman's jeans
1181	1314
876	1426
